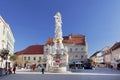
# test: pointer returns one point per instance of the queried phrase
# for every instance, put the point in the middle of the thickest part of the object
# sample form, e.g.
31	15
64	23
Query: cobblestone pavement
99	74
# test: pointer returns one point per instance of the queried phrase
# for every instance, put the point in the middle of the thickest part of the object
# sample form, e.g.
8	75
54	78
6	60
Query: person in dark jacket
14	69
43	69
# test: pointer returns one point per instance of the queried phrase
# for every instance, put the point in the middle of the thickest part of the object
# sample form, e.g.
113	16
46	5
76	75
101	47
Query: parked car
87	66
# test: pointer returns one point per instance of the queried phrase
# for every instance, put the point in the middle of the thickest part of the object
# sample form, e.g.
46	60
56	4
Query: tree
4	53
13	57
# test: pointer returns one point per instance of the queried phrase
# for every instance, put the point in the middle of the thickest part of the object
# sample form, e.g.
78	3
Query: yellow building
32	55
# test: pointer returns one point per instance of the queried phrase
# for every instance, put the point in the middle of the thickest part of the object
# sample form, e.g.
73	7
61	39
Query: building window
34	58
76	61
39	58
28	58
76	56
82	48
82	57
3	30
70	49
46	50
24	58
76	49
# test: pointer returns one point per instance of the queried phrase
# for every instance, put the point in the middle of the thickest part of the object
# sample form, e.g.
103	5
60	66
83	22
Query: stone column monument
58	53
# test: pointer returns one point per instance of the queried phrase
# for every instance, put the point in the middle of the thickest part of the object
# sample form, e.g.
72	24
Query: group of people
13	69
10	69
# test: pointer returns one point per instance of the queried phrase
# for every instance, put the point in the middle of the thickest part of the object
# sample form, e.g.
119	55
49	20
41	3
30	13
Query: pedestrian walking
10	71
33	67
14	69
43	69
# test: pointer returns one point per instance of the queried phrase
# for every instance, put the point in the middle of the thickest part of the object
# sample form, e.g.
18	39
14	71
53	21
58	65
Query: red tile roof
76	39
115	46
31	50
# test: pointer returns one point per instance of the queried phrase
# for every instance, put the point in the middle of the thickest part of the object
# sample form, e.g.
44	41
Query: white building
6	39
6	36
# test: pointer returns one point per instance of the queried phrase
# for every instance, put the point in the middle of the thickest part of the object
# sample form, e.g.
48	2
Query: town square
98	74
59	40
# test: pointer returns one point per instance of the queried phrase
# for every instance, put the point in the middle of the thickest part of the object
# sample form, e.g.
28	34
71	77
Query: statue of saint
58	25
58	20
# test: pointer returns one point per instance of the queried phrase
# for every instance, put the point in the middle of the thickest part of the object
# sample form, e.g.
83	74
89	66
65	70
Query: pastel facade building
115	55
102	58
77	48
94	59
32	55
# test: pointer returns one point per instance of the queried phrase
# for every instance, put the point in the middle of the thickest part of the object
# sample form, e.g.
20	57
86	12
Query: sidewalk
23	70
28	70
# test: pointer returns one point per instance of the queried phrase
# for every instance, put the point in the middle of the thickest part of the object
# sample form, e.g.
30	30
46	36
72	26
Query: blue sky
32	21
